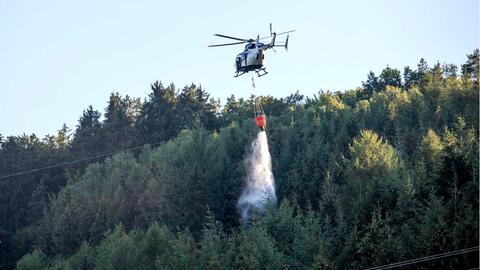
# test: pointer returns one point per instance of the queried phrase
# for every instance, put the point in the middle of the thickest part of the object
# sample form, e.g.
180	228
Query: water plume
259	183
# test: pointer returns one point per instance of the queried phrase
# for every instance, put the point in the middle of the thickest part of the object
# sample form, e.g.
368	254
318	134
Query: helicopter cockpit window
251	46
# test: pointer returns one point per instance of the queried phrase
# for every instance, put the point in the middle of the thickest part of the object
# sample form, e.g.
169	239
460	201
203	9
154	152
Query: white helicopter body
253	56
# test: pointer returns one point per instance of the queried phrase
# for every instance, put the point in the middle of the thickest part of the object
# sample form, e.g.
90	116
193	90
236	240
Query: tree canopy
365	177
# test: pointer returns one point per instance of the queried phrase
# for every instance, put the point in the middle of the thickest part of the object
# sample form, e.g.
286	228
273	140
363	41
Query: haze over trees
383	173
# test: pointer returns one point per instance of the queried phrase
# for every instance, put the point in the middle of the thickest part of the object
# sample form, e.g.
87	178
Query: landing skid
239	73
260	72
264	72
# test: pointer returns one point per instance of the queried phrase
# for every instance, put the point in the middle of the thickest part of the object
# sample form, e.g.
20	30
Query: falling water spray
260	186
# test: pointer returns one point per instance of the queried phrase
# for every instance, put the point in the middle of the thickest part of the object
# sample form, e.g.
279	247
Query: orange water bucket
261	121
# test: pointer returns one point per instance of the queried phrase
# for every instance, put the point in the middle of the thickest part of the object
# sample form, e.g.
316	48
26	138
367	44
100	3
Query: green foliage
156	244
117	251
371	156
118	127
372	176
83	259
36	260
182	254
365	177
158	121
390	77
378	245
471	68
430	157
212	244
253	249
373	164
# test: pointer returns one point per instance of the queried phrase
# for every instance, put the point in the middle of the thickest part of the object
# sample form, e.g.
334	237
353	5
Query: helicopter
251	59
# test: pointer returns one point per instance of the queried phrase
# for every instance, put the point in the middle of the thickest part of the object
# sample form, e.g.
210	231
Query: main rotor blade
282	33
227	44
242	39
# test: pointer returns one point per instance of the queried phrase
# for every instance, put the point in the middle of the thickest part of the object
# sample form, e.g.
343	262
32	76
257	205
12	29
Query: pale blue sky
58	57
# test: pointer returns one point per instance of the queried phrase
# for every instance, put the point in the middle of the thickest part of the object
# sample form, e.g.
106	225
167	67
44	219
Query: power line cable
72	147
389	266
424	259
69	162
87	158
120	151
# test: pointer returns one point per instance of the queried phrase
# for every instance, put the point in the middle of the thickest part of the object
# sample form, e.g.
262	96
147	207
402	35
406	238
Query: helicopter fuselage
251	59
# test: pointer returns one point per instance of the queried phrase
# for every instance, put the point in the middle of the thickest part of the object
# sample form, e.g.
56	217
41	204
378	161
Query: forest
384	173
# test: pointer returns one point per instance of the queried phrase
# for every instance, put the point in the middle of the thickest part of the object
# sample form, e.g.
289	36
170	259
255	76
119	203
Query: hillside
384	173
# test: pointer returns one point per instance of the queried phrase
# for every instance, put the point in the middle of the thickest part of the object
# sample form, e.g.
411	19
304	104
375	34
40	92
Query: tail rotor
286	43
